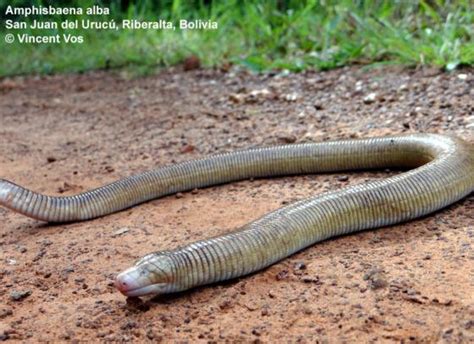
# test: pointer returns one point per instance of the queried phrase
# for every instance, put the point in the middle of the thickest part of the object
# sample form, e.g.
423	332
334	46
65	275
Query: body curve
441	172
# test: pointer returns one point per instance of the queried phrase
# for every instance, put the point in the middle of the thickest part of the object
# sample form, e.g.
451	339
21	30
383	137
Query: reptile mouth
141	291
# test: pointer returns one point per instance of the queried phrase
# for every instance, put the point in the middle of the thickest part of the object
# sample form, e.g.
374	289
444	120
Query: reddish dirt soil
66	134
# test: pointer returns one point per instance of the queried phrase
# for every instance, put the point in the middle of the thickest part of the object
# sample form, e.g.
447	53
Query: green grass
261	35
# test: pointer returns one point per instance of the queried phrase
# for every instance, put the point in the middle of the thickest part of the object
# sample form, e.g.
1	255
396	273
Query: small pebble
370	98
376	279
403	87
291	97
286	137
11	261
187	149
300	266
120	232
256	332
18	295
283	274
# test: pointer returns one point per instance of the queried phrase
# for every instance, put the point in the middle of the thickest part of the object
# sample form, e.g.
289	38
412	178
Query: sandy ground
66	134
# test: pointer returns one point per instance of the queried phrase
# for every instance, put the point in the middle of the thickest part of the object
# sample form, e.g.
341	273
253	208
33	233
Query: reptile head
151	275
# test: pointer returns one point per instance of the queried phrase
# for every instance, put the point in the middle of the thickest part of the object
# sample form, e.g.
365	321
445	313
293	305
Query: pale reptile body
443	173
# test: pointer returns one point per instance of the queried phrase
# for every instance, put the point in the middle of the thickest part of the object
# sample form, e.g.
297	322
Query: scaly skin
443	173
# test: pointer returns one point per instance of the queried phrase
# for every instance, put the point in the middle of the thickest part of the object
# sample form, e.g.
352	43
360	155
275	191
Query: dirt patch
66	134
